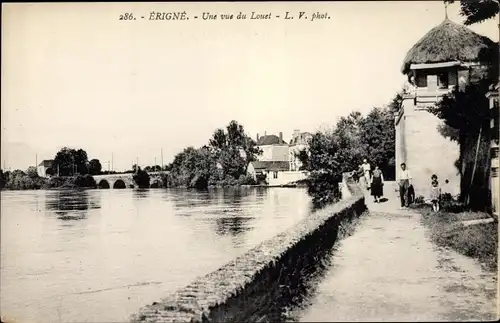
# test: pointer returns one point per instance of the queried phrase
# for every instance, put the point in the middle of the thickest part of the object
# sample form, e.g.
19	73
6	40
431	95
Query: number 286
127	16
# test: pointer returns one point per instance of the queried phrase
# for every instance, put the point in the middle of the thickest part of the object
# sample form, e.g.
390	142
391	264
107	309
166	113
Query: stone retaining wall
256	286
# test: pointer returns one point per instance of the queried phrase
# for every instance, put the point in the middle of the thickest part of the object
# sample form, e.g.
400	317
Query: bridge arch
103	184
119	184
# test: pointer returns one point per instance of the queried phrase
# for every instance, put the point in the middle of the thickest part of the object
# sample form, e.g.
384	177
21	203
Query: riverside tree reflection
70	204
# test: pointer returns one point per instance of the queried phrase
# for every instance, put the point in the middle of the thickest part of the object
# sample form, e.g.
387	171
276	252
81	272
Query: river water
99	255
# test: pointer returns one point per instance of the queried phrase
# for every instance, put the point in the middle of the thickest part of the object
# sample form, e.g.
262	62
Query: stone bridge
124	180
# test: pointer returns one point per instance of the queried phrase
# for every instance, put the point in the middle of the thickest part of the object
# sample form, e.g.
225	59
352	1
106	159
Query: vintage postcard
249	161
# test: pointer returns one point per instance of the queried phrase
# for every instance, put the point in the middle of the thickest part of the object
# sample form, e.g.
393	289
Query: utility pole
112	166
36	160
161	159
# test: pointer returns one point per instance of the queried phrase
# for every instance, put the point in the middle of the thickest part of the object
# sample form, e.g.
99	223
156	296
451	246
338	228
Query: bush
141	178
19	180
228	181
420	200
246	179
85	181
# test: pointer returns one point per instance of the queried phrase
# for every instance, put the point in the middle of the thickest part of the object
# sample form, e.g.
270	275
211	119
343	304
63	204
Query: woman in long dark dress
377	184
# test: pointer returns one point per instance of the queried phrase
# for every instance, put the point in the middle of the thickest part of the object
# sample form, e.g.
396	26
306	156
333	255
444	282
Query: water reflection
71	204
81	266
234	225
141	193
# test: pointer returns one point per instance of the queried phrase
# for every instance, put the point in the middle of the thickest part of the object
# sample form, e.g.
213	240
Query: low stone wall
256	286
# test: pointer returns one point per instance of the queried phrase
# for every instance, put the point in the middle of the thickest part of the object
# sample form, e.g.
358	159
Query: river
99	255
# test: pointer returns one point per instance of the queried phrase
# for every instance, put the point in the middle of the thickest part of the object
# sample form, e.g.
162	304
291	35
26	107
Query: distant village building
270	170
444	58
273	147
41	169
492	95
273	165
300	141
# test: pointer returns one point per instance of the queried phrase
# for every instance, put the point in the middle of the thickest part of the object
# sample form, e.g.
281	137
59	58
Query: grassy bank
478	241
19	180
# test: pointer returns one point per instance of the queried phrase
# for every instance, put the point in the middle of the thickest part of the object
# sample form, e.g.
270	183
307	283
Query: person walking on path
366	172
404	182
435	193
377	184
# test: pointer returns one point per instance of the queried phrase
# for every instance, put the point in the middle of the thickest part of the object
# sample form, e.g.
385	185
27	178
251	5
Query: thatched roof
447	42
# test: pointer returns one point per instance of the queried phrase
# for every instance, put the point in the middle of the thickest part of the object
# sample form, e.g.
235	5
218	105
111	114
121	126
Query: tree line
221	162
342	148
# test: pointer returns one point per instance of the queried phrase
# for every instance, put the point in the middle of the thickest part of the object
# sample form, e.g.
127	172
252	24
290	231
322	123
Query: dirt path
388	270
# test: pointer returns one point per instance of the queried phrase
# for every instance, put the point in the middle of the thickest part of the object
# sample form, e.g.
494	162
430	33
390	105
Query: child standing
435	193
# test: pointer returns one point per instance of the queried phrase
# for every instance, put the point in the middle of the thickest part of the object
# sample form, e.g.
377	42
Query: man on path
404	182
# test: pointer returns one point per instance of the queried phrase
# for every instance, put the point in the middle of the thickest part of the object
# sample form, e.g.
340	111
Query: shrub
19	180
85	181
420	200
246	179
141	178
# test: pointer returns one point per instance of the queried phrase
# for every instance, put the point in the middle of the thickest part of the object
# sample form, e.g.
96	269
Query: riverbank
18	181
478	240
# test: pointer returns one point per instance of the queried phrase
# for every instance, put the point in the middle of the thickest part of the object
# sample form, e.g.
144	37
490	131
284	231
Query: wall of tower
426	151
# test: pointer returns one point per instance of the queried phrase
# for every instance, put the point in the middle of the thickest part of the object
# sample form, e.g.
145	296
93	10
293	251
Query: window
442	79
453	78
421	80
275	175
494	152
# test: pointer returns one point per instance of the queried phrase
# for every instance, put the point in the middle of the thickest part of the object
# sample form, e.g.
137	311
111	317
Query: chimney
296	133
281	137
257	137
265	133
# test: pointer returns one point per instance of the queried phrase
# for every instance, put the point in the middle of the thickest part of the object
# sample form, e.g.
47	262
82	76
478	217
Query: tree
141	178
378	139
233	149
50	172
478	10
3	179
71	161
32	172
395	103
466	117
349	131
325	168
95	167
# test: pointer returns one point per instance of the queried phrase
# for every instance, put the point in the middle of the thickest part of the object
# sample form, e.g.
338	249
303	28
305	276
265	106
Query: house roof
270	140
46	163
301	138
448	42
270	165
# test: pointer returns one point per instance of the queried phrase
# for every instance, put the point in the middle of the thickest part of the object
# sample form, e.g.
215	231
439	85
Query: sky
74	75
